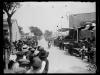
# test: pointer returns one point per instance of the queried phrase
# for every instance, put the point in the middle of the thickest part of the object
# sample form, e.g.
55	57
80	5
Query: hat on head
25	46
35	47
15	52
36	62
25	50
41	48
29	48
19	53
32	49
43	54
24	61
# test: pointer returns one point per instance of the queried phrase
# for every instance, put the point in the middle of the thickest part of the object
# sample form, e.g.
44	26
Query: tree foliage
36	31
10	7
47	35
21	30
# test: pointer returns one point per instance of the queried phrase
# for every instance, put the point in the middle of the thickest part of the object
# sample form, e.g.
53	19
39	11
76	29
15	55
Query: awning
64	29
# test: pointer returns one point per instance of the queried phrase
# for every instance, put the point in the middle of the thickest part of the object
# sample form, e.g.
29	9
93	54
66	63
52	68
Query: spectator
83	52
49	44
17	69
36	66
43	56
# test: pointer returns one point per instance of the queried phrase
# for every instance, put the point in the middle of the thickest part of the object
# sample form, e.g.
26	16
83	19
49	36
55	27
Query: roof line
82	13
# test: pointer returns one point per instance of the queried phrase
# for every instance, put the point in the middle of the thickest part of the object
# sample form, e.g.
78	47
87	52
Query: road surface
59	62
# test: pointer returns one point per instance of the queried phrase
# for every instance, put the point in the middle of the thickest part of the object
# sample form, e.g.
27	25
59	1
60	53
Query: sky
48	15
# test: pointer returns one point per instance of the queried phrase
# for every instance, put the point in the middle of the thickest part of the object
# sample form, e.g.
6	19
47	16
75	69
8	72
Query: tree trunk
10	28
10	32
6	59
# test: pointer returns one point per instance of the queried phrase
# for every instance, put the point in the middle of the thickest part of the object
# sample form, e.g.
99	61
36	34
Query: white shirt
18	69
43	66
36	52
13	57
24	57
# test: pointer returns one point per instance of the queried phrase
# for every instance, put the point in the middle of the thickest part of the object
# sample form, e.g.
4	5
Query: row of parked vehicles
82	48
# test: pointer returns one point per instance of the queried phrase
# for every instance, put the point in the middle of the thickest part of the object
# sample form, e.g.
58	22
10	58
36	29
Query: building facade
76	19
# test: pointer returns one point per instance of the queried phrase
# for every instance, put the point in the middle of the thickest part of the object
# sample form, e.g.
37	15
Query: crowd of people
28	57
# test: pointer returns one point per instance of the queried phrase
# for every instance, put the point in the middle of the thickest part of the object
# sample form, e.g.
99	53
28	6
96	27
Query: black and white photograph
49	37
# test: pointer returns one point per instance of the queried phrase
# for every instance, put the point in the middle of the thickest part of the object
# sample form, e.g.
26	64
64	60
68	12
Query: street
61	63
61	33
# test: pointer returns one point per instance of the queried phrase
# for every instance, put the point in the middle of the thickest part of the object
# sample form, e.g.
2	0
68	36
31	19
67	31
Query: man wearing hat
39	62
36	52
22	54
43	56
22	63
25	48
37	66
17	69
30	53
21	66
12	60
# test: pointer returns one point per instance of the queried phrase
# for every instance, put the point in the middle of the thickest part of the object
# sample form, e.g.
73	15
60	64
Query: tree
47	35
10	8
21	30
36	31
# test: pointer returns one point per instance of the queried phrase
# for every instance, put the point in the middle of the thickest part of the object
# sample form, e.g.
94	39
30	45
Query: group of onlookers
28	58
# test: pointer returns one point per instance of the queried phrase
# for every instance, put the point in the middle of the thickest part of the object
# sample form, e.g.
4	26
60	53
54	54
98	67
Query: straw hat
25	48
40	48
43	54
32	49
24	61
